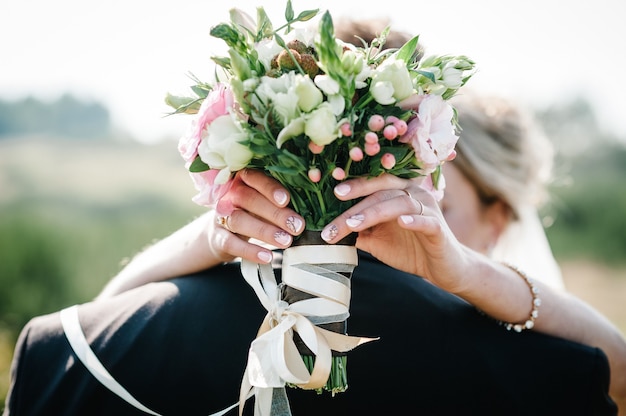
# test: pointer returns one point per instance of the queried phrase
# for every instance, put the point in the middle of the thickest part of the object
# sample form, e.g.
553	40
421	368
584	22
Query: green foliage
65	117
589	208
590	215
59	253
32	266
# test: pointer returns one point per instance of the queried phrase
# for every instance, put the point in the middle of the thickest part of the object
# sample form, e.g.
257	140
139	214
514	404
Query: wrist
499	291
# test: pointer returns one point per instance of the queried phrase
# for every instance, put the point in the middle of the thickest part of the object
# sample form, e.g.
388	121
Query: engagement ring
223	221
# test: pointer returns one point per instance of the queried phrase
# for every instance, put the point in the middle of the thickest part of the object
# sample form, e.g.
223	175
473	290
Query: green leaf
227	33
198	165
280	42
260	149
427	74
240	65
264	25
282	169
200	90
289	12
408	51
222	61
189	105
307	15
436	175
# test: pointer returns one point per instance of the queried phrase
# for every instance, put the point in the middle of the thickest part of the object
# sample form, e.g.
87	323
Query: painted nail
342	189
282	238
294	224
407	219
280	197
330	232
264	256
355	220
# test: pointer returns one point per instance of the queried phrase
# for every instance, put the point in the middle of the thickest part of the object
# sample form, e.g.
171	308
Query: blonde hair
502	152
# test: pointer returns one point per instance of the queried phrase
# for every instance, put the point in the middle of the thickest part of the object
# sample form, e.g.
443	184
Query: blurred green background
78	198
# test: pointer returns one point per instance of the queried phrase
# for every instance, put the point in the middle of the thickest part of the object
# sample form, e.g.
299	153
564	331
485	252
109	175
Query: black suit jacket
180	348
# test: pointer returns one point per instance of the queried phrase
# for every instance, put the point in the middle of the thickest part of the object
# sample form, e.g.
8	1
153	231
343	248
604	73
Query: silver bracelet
534	313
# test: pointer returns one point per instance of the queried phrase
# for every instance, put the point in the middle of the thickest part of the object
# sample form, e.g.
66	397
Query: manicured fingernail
355	220
342	189
280	197
329	233
264	256
294	224
282	238
407	219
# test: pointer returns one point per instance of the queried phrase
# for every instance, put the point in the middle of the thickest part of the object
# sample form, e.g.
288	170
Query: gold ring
223	221
416	200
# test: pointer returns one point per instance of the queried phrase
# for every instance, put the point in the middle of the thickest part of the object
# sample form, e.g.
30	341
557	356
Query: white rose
321	125
309	96
328	85
337	104
221	146
391	82
382	91
281	93
293	129
452	77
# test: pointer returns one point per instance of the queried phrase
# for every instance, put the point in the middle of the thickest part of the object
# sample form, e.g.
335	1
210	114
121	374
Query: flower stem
338	378
320	199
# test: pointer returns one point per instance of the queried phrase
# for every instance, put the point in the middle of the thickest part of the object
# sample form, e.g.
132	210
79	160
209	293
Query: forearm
185	251
502	294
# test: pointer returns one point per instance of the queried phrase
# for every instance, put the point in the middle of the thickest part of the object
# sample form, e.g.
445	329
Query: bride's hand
401	224
255	207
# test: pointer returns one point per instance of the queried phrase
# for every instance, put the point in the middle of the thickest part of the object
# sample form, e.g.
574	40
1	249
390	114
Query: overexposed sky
128	53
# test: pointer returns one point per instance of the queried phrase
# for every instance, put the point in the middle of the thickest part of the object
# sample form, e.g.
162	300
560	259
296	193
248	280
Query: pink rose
431	132
209	193
218	103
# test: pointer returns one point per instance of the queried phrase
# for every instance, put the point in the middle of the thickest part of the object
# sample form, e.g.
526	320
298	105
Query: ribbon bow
273	357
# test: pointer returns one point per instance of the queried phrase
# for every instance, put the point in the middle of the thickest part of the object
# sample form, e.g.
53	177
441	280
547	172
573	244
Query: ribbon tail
245	391
263	401
280	402
341	342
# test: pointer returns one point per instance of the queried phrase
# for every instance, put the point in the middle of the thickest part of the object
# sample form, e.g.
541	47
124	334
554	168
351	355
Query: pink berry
388	161
401	126
372	149
346	130
316	149
391	119
390	132
315	175
371	137
339	174
376	122
356	154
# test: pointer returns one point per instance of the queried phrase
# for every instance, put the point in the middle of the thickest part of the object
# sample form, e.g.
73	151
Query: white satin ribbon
273	358
76	338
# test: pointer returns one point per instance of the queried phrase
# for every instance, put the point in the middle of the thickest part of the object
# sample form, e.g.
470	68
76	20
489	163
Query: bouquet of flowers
312	111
